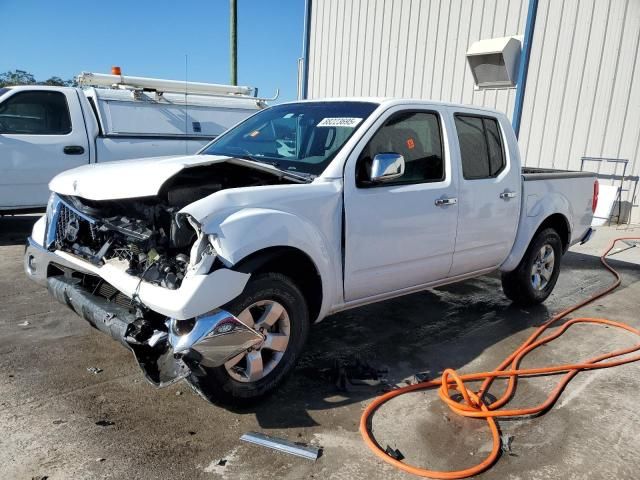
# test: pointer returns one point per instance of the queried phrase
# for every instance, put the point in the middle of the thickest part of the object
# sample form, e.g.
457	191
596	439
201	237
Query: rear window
481	149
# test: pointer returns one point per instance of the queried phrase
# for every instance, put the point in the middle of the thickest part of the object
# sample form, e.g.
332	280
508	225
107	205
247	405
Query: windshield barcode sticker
340	122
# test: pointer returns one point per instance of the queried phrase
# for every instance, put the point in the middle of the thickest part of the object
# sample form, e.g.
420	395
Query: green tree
58	82
20	77
16	77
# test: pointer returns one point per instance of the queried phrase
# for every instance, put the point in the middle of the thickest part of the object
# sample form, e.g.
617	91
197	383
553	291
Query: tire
522	286
231	385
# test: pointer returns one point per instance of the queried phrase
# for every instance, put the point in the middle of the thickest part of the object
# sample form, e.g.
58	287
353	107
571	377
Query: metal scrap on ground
292	448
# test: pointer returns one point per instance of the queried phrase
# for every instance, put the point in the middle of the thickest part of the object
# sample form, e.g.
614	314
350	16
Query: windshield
298	137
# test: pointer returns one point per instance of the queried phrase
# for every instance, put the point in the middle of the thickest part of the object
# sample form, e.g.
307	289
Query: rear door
489	194
401	234
38	140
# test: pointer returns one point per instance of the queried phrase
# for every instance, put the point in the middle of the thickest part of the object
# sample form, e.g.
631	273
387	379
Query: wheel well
293	263
559	223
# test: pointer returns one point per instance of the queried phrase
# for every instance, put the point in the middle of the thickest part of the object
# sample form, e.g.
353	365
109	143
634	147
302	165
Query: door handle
73	150
441	202
506	195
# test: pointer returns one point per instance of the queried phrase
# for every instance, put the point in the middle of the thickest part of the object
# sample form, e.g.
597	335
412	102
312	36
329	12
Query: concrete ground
59	420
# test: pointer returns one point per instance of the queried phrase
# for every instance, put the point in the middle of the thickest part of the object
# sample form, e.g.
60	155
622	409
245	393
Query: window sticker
349	122
410	143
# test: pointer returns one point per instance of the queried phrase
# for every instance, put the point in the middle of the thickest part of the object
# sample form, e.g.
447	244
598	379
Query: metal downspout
524	64
306	40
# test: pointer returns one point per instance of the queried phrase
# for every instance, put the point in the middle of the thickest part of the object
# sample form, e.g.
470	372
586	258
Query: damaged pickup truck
212	267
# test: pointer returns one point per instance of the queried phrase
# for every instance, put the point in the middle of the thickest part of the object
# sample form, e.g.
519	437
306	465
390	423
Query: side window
414	135
480	146
35	113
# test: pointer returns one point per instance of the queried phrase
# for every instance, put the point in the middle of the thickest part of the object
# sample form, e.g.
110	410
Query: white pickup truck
212	267
47	130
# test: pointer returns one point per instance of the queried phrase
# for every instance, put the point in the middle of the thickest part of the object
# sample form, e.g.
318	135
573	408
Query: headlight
52	199
51	218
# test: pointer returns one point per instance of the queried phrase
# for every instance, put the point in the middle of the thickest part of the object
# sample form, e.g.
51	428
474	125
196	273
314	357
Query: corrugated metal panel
406	48
583	90
583	85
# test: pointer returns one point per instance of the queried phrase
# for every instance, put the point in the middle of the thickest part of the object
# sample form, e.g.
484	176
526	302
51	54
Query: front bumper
197	295
156	360
166	353
180	346
37	262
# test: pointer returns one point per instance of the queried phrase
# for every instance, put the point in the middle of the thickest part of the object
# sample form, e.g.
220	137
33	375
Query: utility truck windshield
297	137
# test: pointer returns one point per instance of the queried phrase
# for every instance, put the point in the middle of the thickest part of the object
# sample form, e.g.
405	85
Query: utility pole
233	40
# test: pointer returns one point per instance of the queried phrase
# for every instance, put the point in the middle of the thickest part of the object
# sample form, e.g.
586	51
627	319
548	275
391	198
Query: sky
151	38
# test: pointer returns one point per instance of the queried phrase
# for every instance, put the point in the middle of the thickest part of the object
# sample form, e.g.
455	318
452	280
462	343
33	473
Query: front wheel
274	306
536	275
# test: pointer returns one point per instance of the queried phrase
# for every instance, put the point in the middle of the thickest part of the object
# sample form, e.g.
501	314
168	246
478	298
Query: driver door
400	234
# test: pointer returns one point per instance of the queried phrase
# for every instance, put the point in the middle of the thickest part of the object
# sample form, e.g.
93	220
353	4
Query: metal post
306	40
524	64
300	78
233	40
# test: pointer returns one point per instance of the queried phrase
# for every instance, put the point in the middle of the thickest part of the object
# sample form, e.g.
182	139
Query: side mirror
386	167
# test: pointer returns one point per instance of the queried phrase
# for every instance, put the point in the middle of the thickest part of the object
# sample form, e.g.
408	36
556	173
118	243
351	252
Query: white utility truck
46	130
211	267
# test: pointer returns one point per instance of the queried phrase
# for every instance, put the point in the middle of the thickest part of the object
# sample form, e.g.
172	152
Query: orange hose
472	404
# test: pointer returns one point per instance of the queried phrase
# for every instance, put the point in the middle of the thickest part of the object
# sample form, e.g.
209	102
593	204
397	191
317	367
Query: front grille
71	227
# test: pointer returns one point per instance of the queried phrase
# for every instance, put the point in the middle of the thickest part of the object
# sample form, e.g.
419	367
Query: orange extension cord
473	406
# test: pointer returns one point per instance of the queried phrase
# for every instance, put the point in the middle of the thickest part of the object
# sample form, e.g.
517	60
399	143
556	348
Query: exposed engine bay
147	236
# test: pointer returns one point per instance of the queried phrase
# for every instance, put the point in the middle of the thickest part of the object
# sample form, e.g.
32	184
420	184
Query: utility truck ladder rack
161	86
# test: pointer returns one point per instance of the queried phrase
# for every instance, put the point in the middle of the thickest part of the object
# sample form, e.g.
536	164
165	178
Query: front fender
535	211
250	230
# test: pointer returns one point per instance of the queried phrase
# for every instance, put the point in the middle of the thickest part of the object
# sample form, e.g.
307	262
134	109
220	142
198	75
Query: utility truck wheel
536	275
273	305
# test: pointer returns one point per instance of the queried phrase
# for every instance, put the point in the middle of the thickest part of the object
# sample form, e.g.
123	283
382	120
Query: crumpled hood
125	178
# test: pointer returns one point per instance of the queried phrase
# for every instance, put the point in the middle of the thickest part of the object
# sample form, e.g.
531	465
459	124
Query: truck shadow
423	333
14	229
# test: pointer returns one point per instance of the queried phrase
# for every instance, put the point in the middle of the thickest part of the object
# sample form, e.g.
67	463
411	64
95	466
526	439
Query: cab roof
392	101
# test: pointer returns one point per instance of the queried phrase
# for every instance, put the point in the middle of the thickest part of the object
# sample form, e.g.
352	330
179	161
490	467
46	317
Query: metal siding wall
583	85
583	89
407	48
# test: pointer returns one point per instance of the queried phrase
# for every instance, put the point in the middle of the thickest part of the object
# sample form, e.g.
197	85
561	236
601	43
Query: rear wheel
274	306
536	275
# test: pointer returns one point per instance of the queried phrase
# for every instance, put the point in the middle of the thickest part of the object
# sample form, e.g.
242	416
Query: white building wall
583	90
408	48
583	85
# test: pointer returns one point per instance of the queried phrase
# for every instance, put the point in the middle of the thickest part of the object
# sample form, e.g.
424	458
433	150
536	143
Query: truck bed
546	192
532	173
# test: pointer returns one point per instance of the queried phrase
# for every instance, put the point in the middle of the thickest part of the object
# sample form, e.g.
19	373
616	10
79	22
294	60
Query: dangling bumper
172	333
165	354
